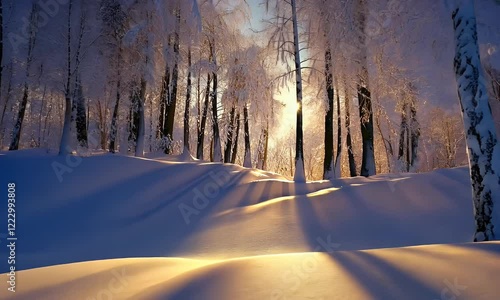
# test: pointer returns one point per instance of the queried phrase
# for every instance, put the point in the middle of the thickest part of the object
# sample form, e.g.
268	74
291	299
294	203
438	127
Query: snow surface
119	227
425	272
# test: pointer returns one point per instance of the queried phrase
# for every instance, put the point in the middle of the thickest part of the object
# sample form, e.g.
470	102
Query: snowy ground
116	227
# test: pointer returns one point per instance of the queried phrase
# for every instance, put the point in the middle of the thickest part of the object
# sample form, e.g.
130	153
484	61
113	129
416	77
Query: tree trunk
387	142
402	139
415	135
263	146
88	122
481	137
338	163
101	110
78	99
299	144
114	118
7	99
217	155
350	152
64	146
134	118
212	149
151	124
203	122
1	48
33	29
139	148
81	117
16	135
187	106
328	171
46	129
229	138
247	162
164	99
408	149
235	142
266	147
450	147
171	105
366	117
364	96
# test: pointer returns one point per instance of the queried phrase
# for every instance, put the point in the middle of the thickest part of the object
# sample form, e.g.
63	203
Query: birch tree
481	138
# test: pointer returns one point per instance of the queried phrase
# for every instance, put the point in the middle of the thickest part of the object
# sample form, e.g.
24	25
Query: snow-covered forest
367	124
216	80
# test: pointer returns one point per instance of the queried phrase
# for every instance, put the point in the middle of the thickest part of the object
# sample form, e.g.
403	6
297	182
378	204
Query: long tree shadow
383	280
112	220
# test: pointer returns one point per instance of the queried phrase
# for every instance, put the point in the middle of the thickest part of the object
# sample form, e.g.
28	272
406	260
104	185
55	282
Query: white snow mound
128	228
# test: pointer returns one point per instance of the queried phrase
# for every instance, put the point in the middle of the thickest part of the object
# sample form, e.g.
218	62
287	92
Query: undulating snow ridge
464	271
128	228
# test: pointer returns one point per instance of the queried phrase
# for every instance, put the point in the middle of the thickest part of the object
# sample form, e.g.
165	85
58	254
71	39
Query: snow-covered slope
424	272
200	230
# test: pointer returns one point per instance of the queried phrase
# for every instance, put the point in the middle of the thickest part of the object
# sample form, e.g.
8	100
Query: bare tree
350	152
33	30
216	147
78	107
203	120
187	106
114	23
328	163
236	137
171	102
364	95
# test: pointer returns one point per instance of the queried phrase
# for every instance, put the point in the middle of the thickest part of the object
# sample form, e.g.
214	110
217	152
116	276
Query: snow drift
160	229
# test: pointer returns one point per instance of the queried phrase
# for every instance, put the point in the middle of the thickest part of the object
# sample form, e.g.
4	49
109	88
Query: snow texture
137	228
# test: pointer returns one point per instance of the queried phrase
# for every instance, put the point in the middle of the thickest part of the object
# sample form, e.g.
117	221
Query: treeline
176	77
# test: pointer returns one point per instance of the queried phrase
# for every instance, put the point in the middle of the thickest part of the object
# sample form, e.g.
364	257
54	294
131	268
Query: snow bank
108	206
227	232
425	272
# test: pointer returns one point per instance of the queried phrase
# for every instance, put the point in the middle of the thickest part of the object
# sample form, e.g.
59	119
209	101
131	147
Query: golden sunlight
288	115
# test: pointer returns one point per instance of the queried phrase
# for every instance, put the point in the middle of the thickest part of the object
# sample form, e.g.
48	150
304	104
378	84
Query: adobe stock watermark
203	195
392	185
378	22
302	270
71	161
48	10
116	285
452	290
